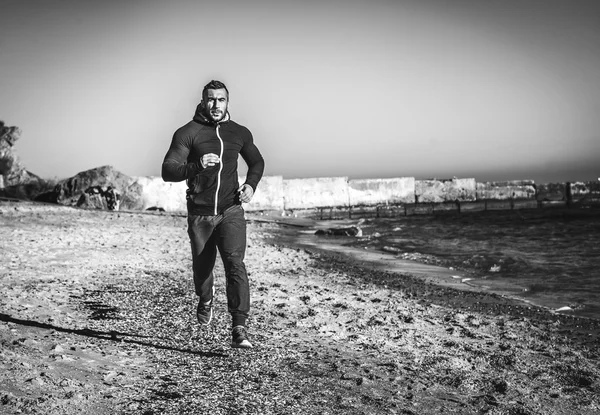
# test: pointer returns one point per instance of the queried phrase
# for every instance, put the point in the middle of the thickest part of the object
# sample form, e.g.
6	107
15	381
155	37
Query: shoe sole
243	345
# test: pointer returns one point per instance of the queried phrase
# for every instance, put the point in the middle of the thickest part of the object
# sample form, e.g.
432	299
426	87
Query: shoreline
299	233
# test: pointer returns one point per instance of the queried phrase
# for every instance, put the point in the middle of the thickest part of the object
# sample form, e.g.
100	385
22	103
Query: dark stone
499	386
97	197
349	231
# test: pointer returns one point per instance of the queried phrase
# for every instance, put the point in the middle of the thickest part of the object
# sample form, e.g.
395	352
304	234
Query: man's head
215	100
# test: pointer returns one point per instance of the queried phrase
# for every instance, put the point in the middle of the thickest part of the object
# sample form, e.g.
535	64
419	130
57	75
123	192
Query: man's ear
202	104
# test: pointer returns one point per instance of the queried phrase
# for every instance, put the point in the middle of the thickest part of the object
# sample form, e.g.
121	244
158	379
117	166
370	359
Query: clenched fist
209	160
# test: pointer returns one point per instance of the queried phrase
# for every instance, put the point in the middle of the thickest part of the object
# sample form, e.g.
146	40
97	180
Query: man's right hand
209	160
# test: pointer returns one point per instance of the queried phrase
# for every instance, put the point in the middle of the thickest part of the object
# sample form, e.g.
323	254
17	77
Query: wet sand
97	316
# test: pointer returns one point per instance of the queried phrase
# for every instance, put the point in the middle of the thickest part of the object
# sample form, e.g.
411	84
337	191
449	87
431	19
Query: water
551	260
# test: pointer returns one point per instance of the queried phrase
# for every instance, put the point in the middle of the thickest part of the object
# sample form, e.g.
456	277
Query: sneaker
204	312
240	338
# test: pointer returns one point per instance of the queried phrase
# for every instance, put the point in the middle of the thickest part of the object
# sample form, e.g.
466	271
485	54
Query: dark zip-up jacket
211	190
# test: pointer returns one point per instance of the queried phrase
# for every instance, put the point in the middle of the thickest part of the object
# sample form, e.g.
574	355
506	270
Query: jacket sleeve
254	160
175	166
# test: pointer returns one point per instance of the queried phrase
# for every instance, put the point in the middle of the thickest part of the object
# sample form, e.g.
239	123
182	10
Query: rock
69	191
99	188
109	376
155	209
349	231
38	381
97	197
499	386
8	398
392	249
15	180
10	166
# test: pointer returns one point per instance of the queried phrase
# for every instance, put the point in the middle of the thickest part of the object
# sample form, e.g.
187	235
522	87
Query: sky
491	90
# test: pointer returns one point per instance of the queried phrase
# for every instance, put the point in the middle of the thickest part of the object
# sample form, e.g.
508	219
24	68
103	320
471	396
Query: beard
216	116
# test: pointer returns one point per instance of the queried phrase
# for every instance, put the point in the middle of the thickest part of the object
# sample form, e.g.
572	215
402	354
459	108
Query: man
205	153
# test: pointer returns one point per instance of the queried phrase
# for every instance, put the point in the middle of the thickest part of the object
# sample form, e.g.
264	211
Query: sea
550	259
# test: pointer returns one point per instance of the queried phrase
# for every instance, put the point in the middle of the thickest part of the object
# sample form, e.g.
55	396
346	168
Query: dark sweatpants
227	232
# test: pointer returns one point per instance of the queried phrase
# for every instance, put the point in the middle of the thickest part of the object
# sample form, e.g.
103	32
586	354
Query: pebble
109	376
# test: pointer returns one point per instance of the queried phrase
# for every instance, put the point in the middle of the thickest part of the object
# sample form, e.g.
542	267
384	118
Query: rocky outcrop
70	191
97	197
15	180
106	188
11	170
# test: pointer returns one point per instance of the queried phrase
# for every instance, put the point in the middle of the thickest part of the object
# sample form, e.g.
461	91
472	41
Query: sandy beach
97	316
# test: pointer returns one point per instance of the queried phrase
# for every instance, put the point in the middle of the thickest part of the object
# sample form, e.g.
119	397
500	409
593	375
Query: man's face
216	102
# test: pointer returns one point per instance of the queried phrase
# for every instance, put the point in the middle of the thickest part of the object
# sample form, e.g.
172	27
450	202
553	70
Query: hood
201	118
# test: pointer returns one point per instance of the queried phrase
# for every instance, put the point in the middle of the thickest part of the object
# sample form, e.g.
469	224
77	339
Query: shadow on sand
110	336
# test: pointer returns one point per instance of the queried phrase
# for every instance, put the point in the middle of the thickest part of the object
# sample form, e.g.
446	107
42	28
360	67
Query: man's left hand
246	192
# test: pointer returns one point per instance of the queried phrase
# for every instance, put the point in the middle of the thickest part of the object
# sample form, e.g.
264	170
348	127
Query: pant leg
231	240
204	252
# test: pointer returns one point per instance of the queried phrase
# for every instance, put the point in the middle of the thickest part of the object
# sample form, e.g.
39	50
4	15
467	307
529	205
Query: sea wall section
154	192
442	191
317	192
371	192
339	196
516	189
584	191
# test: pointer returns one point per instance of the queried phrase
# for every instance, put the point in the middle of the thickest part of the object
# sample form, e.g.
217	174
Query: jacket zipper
220	170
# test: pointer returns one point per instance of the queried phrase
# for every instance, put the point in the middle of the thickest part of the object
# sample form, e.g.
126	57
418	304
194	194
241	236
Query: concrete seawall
386	197
369	192
441	191
314	193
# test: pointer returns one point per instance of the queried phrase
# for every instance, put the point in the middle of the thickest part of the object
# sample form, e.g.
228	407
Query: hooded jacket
211	190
